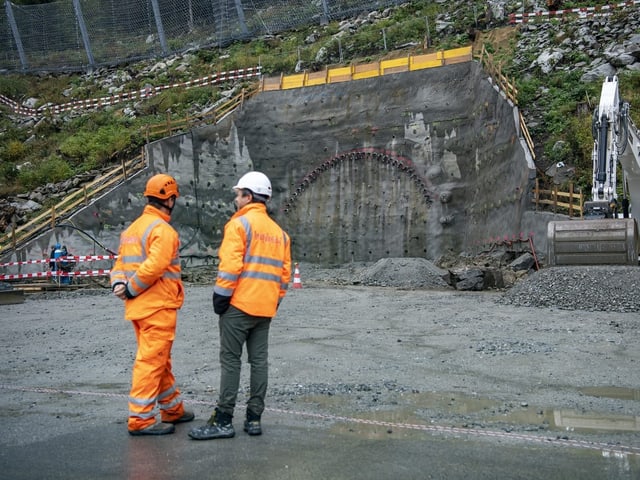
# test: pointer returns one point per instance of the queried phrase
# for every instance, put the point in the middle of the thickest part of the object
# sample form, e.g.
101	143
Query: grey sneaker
252	424
155	429
218	426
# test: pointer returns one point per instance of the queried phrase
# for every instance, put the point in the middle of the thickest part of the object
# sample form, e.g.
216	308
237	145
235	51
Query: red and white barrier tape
547	15
126	96
69	258
80	273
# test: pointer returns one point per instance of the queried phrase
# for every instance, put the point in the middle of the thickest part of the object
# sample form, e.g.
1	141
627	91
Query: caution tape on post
79	273
68	258
142	94
581	11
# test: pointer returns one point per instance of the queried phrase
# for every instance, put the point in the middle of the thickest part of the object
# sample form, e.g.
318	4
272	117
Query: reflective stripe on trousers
152	381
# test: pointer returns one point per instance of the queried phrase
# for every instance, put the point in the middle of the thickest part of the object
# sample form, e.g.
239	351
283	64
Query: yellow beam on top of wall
366	70
429	60
339	74
293	81
457	52
316	78
369	70
269	84
394	65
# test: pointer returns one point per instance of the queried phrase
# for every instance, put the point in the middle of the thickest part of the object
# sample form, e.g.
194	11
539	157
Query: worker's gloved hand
220	303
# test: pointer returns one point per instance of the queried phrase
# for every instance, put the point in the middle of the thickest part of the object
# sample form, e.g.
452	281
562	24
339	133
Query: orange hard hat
161	186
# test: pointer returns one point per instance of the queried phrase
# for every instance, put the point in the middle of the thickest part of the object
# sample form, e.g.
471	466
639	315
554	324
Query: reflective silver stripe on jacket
132	276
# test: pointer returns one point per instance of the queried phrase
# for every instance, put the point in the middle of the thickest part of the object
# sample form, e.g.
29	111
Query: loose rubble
592	288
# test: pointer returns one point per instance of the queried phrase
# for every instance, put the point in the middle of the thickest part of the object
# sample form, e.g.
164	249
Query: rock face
412	164
405	165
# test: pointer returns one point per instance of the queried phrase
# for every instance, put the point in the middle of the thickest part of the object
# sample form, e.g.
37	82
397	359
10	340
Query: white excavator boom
608	233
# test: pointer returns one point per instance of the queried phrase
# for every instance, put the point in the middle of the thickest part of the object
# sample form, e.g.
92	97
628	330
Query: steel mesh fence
77	35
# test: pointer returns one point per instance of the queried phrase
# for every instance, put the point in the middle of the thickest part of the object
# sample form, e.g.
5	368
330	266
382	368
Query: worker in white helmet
253	276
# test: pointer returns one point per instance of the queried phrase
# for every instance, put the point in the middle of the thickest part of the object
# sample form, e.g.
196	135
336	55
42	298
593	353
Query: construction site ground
370	382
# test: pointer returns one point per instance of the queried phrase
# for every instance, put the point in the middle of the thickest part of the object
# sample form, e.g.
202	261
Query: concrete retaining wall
414	164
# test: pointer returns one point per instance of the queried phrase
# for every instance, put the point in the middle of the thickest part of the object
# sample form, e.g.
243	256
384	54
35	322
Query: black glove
126	289
220	303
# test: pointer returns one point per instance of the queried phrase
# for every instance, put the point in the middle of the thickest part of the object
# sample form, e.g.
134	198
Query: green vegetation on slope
57	147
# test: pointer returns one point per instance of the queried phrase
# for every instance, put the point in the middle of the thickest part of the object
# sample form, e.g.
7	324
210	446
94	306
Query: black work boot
252	424
218	426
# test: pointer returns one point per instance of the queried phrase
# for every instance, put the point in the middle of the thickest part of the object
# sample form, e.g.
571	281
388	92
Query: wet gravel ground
562	343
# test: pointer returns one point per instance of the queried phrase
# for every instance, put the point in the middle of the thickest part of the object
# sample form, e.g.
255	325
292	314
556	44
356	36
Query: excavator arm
607	234
608	121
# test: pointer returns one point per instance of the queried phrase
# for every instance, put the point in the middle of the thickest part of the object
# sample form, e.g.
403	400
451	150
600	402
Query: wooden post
13	232
53	217
581	204
571	199
124	168
555	198
537	193
86	196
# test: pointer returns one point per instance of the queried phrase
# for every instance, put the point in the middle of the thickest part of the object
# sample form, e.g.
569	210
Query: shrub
53	169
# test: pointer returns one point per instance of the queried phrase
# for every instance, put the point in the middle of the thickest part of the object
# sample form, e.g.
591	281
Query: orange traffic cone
297	283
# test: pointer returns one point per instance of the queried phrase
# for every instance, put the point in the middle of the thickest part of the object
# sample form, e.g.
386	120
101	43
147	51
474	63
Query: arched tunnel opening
359	205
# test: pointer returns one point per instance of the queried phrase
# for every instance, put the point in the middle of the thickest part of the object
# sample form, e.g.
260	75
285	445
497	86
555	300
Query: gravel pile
388	272
591	288
404	272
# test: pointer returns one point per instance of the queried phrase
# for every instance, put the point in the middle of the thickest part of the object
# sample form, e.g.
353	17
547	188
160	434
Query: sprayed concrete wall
415	164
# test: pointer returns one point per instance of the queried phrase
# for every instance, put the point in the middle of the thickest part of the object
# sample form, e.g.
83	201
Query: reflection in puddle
591	421
612	392
434	408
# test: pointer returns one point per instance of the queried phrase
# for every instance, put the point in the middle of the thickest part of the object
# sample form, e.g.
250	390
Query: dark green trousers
237	329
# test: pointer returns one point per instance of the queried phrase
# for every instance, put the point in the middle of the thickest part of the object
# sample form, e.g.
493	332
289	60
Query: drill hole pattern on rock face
402	164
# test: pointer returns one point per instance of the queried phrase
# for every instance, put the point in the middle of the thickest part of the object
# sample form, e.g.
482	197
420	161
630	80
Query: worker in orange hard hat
253	276
146	275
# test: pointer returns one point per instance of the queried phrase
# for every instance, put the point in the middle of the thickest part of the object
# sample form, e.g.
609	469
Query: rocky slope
592	46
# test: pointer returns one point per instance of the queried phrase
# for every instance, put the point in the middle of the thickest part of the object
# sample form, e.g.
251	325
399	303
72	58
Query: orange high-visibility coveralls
149	264
255	262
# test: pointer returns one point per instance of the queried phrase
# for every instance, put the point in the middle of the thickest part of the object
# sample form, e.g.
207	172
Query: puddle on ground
435	408
612	392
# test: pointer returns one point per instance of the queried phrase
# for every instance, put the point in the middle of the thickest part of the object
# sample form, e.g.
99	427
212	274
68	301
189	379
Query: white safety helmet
257	182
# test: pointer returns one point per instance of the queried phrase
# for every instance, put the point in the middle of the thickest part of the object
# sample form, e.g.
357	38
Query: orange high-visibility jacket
149	264
255	262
